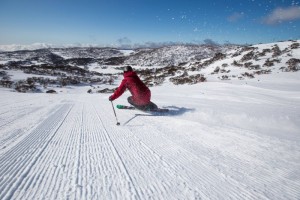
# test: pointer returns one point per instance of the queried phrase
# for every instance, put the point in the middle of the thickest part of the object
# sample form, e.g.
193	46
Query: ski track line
110	169
13	132
53	165
16	164
7	109
10	135
154	179
16	116
6	98
4	112
13	103
49	172
258	183
79	163
117	155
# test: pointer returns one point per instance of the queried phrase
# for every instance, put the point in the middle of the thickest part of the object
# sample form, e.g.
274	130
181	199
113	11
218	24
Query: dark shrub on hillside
263	72
224	65
250	66
115	61
295	46
225	77
269	63
6	83
254	67
235	63
276	51
246	74
248	56
219	56
51	92
154	80
3	73
248	48
263	53
106	90
217	69
23	86
193	79
293	65
236	54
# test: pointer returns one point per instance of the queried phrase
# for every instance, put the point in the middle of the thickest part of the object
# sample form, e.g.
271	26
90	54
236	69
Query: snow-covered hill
251	61
233	136
174	55
184	64
219	141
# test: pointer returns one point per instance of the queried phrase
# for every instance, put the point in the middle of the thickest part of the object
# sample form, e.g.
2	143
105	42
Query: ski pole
118	123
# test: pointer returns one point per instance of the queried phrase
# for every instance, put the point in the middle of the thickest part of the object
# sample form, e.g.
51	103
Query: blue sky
133	22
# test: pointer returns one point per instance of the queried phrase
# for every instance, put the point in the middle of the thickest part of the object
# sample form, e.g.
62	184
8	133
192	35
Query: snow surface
230	139
221	140
127	52
18	75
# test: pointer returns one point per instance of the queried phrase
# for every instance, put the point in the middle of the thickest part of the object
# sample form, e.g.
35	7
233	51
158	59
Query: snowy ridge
36	46
163	56
16	47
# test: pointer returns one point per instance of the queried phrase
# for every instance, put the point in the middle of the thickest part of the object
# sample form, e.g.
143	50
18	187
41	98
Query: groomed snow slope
221	140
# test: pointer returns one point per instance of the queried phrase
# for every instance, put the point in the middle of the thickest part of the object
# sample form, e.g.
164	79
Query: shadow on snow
173	111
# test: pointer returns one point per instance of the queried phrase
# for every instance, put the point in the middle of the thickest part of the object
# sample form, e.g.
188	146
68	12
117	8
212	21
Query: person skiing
141	94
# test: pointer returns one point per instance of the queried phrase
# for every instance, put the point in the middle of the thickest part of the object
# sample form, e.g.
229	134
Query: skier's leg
151	106
129	99
144	107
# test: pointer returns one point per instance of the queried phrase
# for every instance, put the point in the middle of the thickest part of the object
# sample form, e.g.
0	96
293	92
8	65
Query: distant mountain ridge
35	46
163	56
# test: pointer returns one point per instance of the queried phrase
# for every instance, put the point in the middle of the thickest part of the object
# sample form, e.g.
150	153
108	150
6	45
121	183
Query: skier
141	94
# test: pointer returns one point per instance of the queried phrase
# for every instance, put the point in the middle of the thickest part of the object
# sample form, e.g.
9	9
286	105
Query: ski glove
110	98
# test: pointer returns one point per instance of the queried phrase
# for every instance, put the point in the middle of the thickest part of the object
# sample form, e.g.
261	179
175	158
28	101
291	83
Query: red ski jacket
140	92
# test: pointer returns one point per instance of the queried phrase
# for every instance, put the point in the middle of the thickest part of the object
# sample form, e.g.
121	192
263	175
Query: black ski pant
149	106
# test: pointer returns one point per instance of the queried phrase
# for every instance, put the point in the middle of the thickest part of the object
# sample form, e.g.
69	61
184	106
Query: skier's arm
119	91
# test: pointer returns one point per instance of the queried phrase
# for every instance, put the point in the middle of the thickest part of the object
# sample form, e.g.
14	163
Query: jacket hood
129	73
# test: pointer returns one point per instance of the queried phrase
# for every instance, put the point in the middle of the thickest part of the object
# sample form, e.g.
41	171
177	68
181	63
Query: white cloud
280	15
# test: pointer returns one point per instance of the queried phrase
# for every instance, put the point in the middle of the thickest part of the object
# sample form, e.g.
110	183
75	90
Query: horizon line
39	45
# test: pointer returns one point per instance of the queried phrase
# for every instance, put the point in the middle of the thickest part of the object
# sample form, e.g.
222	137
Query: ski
126	107
134	108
